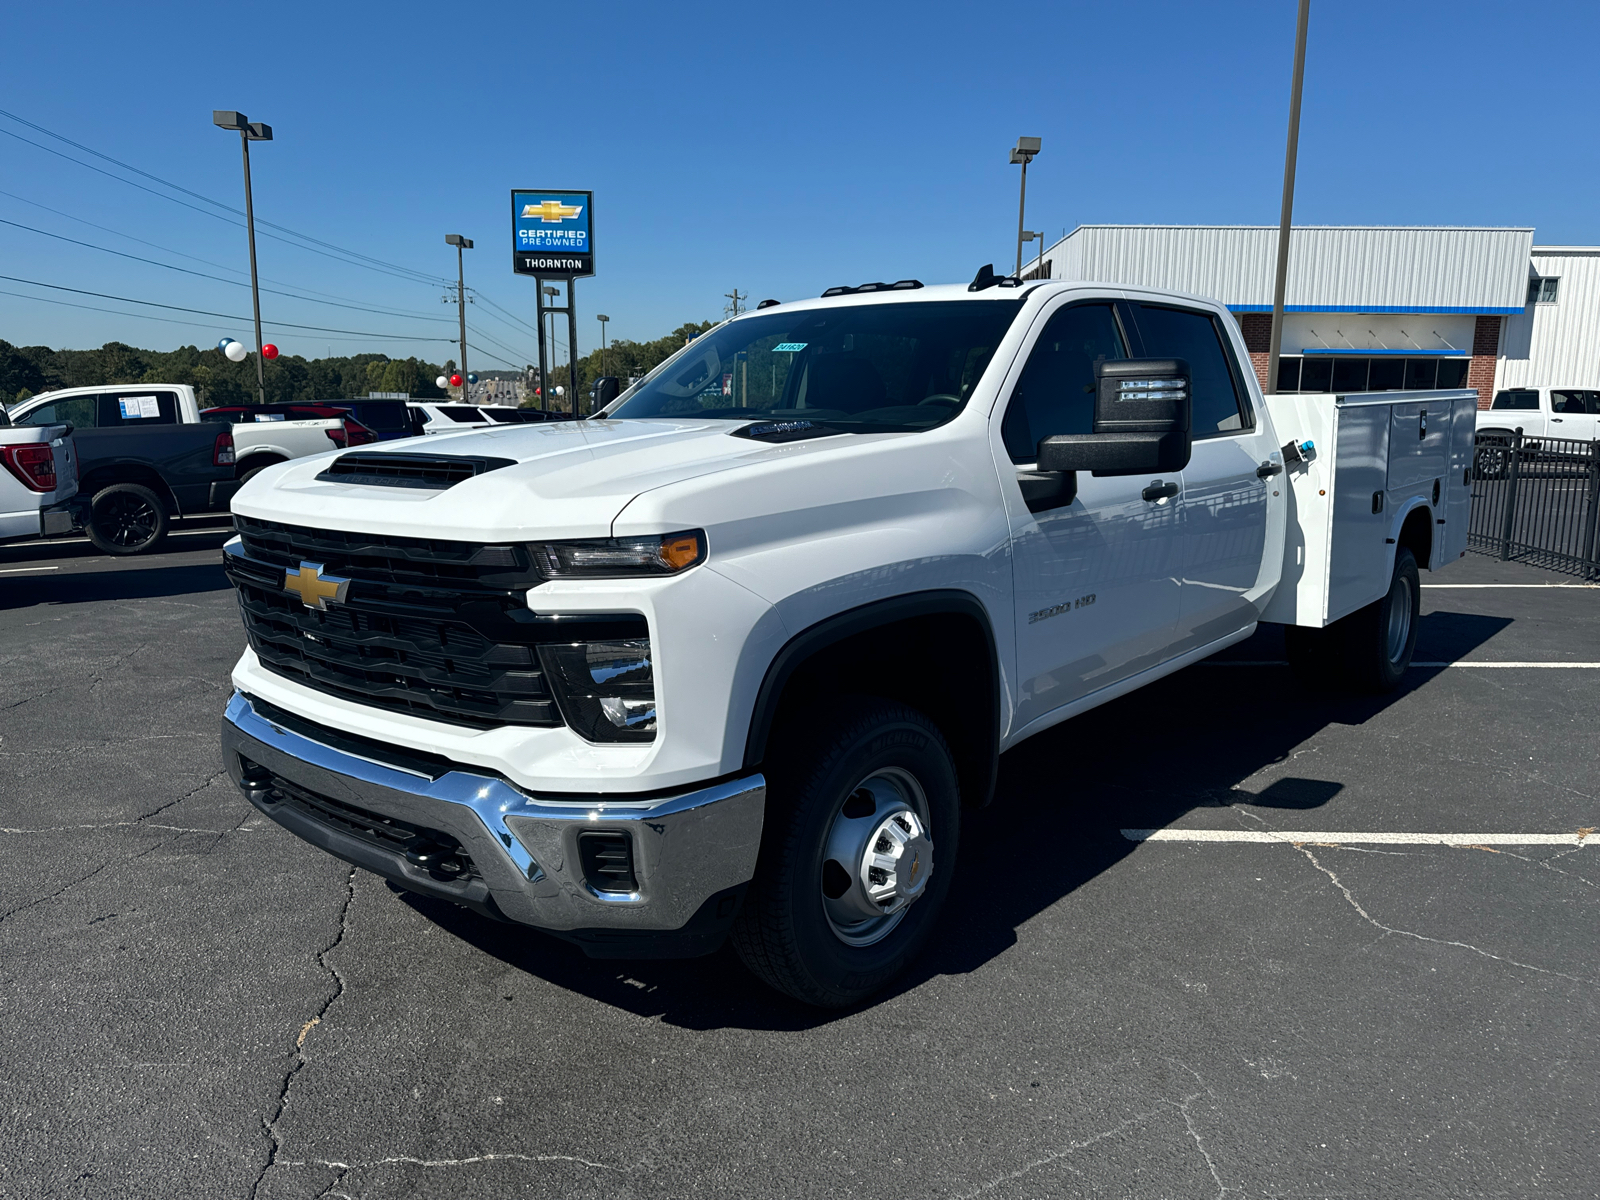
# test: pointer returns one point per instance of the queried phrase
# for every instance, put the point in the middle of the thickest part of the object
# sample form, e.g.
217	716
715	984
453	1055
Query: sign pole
544	366
572	344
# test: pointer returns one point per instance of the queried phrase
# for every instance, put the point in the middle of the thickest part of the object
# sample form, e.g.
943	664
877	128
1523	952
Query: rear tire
1380	639
127	518
875	782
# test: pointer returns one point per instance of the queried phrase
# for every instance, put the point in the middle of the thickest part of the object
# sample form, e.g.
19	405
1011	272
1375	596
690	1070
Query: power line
422	275
518	320
215	278
496	341
398	337
191	257
117	312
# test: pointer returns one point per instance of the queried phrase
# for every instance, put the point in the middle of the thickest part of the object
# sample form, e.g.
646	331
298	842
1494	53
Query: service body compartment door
1419	444
1456	506
1358	556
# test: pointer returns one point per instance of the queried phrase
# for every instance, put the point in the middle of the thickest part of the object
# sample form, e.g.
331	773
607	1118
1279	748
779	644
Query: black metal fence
1535	499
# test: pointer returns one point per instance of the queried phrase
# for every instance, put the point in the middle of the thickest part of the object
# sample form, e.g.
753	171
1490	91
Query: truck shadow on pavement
1064	795
84	587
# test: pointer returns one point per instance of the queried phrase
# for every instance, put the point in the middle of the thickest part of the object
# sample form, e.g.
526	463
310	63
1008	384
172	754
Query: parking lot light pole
602	318
1029	235
544	383
1280	281
1023	153
461	243
249	132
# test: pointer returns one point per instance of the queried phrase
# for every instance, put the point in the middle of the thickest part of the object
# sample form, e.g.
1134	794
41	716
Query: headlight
606	690
618	558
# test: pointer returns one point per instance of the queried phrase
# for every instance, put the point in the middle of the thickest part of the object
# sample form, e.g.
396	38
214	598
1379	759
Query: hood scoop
432	472
785	431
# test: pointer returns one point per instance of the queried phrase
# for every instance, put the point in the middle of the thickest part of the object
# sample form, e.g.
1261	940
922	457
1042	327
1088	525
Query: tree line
28	370
290	379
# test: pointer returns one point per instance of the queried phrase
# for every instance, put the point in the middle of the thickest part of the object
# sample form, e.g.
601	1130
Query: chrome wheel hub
878	857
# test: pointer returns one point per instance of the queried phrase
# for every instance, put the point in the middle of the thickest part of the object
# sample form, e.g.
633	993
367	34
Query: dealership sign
552	233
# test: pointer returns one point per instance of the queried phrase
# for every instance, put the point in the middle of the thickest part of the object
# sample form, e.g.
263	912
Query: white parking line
1537	666
1463	586
21	570
1332	837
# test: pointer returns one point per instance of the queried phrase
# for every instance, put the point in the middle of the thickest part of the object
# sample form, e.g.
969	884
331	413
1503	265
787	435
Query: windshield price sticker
136	408
789	347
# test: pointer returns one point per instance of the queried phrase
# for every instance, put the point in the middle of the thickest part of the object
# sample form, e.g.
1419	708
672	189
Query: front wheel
846	890
126	518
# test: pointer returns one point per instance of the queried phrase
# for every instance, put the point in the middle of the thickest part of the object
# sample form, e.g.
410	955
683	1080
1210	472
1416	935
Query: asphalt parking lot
199	1005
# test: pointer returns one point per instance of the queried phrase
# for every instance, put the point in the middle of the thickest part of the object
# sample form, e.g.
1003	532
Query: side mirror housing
1142	421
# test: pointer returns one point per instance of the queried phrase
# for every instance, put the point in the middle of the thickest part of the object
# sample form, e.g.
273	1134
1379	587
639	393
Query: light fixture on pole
1280	282
461	243
602	318
1023	153
249	131
1035	235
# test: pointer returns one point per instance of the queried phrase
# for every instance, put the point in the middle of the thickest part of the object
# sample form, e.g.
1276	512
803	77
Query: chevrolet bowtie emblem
313	587
551	212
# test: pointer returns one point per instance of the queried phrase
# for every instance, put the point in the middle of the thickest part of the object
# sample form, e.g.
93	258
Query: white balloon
236	352
443	381
561	391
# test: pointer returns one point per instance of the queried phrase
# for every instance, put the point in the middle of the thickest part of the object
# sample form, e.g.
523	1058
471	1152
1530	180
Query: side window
78	410
1056	391
138	407
1521	399
1194	336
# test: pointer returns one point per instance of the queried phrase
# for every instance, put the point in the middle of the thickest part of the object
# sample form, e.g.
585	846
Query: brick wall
1485	349
1257	330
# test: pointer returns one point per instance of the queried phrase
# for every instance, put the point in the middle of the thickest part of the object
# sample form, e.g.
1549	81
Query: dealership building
1372	308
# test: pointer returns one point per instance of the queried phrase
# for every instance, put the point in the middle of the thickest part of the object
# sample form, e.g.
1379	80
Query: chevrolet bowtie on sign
552	234
313	587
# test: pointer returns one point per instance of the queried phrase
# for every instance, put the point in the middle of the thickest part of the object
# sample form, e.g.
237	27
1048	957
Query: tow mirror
1142	421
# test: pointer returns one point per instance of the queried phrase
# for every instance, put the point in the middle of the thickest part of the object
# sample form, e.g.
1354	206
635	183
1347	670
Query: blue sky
776	149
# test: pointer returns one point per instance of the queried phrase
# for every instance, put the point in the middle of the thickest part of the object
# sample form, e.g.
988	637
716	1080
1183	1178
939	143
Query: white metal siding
1357	268
1556	345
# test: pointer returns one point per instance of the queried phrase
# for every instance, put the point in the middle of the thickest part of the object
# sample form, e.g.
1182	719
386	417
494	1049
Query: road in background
202	1005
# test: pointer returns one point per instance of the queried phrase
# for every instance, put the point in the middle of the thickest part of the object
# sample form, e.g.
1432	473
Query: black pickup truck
138	464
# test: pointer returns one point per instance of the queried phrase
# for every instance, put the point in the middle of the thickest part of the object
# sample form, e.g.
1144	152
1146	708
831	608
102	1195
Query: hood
570	479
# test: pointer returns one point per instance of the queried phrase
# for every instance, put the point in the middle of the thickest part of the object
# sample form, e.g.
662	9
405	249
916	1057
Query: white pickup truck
38	479
1557	412
731	657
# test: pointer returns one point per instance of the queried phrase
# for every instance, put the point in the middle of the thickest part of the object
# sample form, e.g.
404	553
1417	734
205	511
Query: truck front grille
429	628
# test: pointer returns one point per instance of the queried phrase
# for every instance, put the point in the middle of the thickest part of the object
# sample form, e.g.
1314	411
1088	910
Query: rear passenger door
1224	506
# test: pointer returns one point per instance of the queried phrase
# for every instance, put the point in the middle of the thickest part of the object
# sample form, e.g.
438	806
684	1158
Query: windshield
866	368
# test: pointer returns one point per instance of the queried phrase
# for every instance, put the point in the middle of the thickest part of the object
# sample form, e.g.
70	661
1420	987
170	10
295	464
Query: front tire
126	518
846	892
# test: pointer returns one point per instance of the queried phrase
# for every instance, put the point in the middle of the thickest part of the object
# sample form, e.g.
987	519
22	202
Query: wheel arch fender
265	457
963	697
1412	527
104	475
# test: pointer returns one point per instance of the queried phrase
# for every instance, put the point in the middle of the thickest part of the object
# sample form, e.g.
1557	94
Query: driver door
1095	578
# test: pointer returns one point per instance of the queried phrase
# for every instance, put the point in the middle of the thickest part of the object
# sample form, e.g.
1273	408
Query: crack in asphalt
1422	937
270	1126
67	887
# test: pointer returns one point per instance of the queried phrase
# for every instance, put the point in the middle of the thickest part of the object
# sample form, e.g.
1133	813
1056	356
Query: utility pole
733	308
1024	152
603	319
1281	282
461	243
249	132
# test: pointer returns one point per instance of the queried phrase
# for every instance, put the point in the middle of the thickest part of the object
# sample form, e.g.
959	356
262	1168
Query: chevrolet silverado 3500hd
730	658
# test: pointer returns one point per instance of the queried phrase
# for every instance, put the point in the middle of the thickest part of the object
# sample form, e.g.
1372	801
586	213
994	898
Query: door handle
1268	469
1160	491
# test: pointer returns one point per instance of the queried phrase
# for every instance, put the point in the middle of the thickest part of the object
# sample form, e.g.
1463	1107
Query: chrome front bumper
693	852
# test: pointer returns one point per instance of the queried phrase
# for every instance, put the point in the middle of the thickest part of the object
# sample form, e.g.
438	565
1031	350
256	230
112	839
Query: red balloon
455	381
269	351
